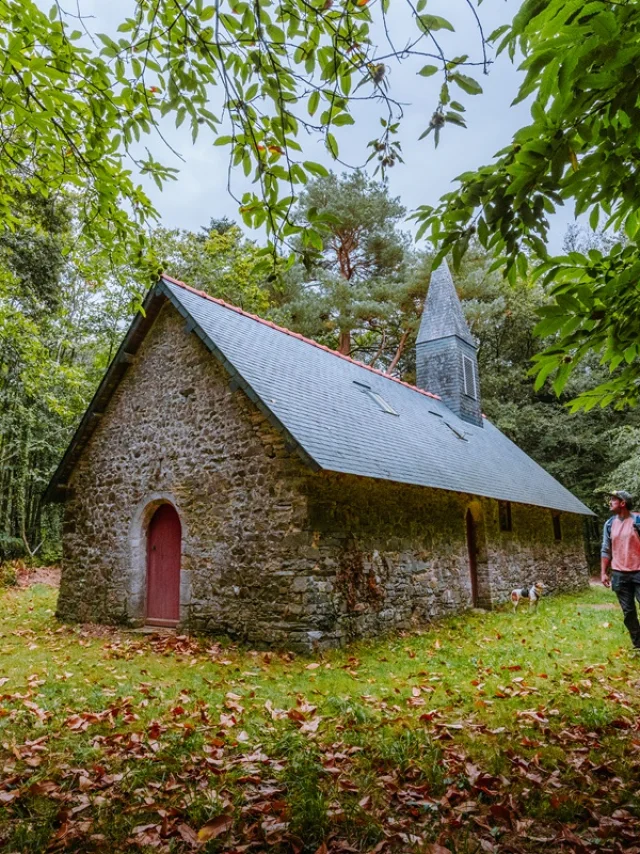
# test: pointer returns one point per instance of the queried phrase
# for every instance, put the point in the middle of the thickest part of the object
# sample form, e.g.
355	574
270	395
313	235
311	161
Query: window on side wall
504	514
557	527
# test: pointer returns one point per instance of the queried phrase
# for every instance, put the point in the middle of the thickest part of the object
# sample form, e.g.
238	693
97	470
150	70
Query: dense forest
62	314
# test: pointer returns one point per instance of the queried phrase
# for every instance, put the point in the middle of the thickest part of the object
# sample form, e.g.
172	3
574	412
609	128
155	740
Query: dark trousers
626	586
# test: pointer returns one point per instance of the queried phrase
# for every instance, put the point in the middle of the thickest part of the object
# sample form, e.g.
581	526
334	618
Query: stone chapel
233	477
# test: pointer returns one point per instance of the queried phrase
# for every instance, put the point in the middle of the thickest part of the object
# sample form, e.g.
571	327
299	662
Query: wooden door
472	545
164	540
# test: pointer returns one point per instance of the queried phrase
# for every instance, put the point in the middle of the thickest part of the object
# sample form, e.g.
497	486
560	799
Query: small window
469	377
557	527
456	432
504	514
378	398
382	403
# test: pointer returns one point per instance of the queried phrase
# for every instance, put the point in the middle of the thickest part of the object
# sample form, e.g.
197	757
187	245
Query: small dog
532	592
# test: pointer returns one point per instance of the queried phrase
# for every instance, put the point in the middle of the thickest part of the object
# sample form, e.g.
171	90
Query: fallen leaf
215	827
312	725
189	835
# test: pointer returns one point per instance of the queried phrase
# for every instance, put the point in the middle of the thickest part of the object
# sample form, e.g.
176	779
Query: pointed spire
442	315
446	357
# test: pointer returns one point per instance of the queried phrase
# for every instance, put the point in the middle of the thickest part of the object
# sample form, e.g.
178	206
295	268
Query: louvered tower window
469	377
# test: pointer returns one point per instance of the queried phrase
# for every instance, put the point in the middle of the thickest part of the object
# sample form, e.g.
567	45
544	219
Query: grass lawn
488	732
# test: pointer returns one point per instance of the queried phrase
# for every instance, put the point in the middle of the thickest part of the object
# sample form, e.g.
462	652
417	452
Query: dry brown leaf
215	827
189	835
312	725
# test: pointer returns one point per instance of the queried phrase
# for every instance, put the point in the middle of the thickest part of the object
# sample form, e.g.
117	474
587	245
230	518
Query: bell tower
446	354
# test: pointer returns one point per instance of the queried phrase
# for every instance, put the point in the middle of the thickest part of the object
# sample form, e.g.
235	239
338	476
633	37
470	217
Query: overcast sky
200	191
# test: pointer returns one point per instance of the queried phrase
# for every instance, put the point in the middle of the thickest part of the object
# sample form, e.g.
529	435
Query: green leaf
316	169
342	119
428	70
433	23
314	100
467	84
332	145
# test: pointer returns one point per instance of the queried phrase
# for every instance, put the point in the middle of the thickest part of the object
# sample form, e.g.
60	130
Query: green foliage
10	547
220	261
68	123
626	447
580	61
8	575
58	328
77	111
78	107
358	287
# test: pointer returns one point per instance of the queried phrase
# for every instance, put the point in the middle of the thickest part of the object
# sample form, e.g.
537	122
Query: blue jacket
606	534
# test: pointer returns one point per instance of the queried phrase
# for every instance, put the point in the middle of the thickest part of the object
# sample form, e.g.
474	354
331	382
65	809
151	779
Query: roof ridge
297	335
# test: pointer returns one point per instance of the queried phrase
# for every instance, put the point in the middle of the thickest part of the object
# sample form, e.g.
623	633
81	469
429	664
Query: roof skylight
378	398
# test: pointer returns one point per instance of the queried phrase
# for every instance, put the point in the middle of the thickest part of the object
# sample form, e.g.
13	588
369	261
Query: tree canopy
79	107
360	288
581	147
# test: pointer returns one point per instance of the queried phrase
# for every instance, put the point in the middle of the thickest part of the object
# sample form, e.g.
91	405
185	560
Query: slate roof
324	403
442	315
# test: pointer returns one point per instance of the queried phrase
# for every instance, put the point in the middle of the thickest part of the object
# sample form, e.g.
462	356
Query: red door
163	567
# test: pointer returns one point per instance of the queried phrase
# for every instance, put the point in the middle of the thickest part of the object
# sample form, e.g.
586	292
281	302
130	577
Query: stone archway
478	558
136	583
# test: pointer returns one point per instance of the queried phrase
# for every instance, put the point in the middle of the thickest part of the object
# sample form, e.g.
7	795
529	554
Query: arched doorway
472	545
164	542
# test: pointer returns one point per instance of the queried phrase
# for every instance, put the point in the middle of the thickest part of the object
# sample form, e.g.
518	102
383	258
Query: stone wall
391	556
175	431
273	553
531	553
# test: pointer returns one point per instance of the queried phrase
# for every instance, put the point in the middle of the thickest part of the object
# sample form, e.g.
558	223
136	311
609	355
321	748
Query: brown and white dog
533	593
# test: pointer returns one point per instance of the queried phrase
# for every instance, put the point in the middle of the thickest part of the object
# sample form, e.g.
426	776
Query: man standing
621	553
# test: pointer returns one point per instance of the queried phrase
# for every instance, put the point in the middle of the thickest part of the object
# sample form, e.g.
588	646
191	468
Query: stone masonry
272	552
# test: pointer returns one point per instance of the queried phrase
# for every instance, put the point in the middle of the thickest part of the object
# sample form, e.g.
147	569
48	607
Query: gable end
157	297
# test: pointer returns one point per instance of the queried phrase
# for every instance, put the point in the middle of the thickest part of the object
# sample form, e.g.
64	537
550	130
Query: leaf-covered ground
489	732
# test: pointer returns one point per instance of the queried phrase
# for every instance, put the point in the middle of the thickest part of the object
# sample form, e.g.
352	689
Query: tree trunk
344	346
380	350
399	352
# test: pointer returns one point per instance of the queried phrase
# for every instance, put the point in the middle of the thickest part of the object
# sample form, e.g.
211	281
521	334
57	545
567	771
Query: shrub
11	548
8	575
